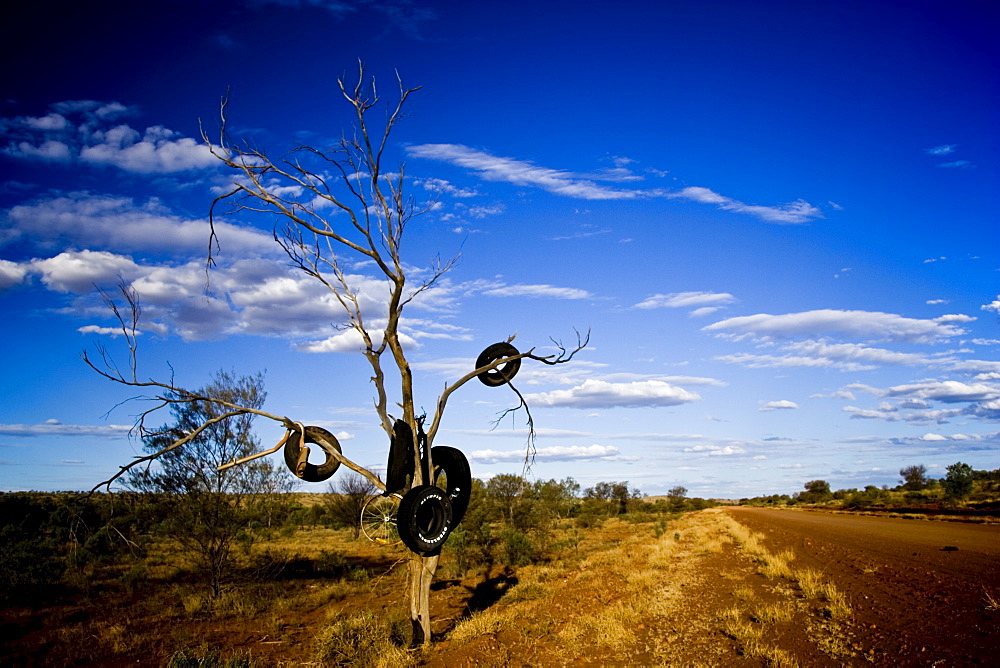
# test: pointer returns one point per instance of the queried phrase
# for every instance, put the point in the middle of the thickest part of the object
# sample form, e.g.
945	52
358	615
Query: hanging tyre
312	472
424	520
400	463
451	463
503	373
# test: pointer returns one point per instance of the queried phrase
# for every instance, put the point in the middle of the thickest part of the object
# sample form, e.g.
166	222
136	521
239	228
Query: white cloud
686	300
867	324
955	317
948	391
944	149
714	450
992	306
11	274
602	394
82	130
158	151
113	332
584	186
350	341
794	213
557	453
778	405
871	414
56	428
79	271
538	291
519	172
443	186
933	437
120	224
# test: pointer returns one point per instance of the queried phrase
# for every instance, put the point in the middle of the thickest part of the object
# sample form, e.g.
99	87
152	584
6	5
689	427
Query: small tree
677	495
958	482
208	509
345	498
817	491
914	477
342	209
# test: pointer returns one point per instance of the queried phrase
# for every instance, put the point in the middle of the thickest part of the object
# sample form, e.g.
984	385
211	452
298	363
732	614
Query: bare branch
176	444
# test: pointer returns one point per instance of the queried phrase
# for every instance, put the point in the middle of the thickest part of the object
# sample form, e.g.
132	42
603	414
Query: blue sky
777	218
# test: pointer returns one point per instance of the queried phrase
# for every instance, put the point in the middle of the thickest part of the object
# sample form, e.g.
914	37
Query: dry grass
360	640
611	629
776	566
814	586
992	602
771	613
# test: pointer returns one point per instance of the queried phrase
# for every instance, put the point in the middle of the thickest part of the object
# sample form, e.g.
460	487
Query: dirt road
923	592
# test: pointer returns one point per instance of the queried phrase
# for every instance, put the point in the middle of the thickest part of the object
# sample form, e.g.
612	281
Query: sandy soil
919	589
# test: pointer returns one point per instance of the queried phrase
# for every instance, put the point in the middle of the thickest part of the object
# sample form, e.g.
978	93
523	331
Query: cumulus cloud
350	341
948	391
602	394
913	402
254	296
11	274
79	271
157	151
82	219
864	324
992	306
586	186
557	453
782	404
84	131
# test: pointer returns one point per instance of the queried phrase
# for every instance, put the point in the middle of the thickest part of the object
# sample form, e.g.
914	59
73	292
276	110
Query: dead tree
372	211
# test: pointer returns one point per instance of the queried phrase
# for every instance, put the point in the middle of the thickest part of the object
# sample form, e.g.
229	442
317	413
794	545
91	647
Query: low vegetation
963	490
297	570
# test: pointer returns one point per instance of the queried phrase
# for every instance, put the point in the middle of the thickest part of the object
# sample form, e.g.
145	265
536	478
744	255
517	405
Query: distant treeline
962	488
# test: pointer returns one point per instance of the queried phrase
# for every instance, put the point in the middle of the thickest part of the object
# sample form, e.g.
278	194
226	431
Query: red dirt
915	600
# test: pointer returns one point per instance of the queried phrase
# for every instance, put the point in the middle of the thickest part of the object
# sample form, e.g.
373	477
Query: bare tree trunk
422	570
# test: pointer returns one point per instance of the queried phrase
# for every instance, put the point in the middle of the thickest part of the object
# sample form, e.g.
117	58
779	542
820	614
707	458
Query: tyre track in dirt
914	601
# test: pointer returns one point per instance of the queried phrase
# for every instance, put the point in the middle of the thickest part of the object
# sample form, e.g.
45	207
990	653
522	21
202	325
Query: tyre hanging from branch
503	373
424	520
297	454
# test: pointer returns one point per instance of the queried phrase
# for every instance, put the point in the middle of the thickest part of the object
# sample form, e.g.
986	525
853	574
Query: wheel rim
378	519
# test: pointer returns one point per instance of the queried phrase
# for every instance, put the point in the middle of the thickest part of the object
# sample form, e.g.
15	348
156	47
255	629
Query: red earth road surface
922	592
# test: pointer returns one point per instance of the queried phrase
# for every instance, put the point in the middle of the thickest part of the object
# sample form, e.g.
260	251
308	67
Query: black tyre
458	479
400	457
424	520
326	441
503	373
